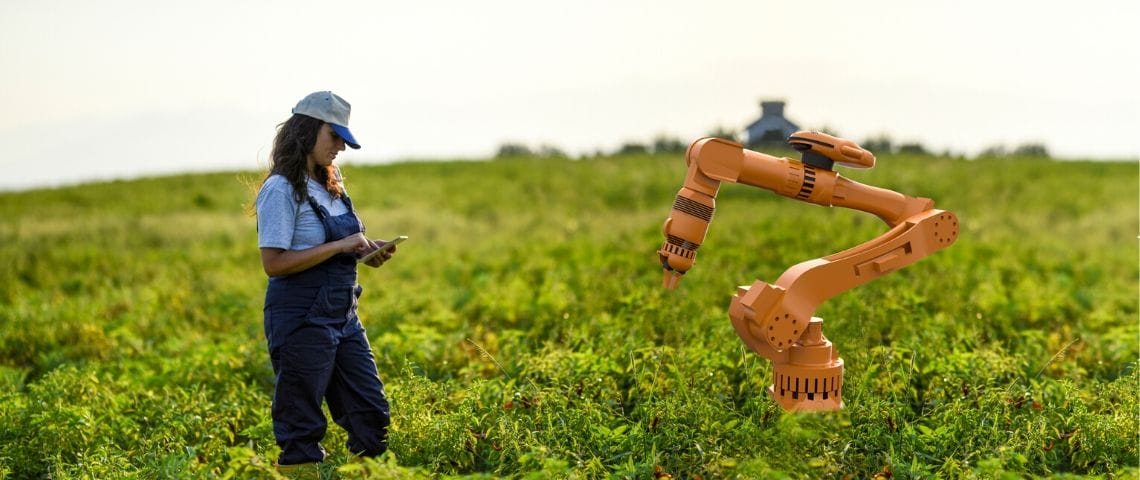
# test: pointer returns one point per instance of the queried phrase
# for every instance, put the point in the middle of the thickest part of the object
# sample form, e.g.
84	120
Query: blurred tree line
882	143
879	144
515	150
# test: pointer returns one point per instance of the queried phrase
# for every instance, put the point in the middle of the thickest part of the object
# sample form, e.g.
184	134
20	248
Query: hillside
523	330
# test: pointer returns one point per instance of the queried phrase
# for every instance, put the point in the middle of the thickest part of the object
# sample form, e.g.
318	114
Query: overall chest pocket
335	303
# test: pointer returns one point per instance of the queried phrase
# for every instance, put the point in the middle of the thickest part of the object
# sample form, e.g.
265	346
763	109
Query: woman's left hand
383	257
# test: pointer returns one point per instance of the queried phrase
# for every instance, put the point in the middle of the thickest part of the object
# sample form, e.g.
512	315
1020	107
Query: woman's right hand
355	243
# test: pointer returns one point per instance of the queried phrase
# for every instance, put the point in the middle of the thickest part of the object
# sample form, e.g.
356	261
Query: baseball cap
332	109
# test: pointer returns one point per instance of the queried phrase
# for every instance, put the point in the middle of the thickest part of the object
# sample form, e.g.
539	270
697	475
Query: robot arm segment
777	314
712	161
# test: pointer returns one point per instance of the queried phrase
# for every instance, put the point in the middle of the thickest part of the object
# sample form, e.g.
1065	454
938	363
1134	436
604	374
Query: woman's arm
278	261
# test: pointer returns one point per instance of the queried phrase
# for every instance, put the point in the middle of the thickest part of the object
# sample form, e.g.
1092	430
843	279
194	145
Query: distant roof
771	119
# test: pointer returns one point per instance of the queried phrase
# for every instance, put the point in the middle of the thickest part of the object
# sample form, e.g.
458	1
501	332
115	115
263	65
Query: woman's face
328	145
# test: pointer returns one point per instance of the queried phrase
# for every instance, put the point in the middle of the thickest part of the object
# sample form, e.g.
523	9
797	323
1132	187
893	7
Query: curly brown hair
289	157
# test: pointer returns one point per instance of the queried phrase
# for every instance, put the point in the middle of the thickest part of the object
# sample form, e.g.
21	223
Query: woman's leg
356	397
304	365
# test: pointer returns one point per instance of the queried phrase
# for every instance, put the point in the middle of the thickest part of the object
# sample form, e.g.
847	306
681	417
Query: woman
310	238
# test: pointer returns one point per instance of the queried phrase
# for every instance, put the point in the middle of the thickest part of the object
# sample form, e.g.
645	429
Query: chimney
773	108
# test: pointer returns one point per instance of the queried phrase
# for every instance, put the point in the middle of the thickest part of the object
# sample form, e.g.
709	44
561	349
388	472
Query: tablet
383	248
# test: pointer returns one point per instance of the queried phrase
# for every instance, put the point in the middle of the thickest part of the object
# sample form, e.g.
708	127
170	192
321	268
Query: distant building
772	127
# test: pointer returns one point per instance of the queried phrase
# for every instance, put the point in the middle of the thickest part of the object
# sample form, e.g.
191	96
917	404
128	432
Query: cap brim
346	135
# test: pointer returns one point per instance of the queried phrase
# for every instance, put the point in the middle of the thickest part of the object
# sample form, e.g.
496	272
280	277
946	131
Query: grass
522	331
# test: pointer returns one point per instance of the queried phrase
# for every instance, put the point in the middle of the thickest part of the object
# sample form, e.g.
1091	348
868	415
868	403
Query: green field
523	332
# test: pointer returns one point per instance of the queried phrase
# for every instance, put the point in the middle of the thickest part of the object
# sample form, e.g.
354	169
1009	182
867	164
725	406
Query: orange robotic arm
772	318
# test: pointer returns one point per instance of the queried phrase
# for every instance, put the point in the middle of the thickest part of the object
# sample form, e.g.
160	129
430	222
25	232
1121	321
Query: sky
124	88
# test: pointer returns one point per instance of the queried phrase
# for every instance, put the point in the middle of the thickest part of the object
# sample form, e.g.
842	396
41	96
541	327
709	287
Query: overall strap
352	210
322	215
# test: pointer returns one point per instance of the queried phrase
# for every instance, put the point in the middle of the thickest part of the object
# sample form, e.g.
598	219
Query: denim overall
320	352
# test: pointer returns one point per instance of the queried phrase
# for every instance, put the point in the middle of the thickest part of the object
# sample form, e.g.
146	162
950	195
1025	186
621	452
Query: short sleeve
276	214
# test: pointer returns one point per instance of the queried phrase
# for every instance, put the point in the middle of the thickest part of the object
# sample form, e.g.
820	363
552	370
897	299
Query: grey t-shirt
283	222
